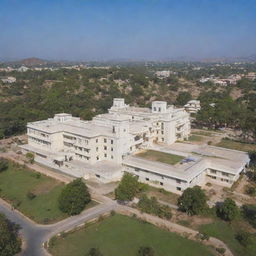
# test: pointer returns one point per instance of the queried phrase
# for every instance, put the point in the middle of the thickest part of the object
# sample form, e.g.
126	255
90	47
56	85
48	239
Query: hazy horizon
94	30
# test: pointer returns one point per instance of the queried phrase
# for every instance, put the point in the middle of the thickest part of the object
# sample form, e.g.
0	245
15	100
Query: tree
252	155
94	252
146	251
74	197
244	238
183	98
228	210
10	243
192	201
128	188
249	214
3	164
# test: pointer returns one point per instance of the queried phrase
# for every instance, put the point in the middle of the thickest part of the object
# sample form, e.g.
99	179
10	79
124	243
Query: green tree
146	251
3	164
228	210
128	188
193	201
249	214
183	98
30	156
244	238
74	197
94	252
10	243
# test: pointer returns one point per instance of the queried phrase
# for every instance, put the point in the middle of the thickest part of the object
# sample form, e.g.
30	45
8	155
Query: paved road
35	235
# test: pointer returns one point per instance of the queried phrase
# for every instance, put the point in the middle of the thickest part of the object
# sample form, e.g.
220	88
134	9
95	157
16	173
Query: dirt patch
45	187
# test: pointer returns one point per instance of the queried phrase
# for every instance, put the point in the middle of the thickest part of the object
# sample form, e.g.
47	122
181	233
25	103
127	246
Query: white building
163	73
106	146
22	69
193	106
9	80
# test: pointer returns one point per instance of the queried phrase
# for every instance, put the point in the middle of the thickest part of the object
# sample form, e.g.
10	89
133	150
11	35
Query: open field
160	157
226	232
121	235
195	138
17	181
225	143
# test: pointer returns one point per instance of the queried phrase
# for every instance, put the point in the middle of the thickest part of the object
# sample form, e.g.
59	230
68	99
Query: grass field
160	157
226	232
236	145
17	181
204	133
195	138
122	236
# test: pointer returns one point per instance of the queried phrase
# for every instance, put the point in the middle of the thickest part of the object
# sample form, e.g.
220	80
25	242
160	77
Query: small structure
193	106
9	80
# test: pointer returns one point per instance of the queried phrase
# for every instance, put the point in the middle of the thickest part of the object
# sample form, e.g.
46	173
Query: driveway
35	235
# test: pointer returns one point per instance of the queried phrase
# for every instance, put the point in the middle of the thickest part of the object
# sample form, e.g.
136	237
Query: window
105	148
224	174
178	181
112	141
147	178
97	149
162	139
161	183
213	171
105	140
105	155
96	140
97	158
112	149
178	188
162	132
112	157
97	175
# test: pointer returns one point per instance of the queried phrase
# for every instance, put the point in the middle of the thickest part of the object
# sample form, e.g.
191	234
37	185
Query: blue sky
133	29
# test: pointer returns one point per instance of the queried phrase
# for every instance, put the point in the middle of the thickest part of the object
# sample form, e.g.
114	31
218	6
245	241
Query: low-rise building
9	80
193	106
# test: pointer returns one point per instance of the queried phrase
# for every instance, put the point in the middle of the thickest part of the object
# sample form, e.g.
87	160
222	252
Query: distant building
251	75
22	69
163	73
193	106
9	80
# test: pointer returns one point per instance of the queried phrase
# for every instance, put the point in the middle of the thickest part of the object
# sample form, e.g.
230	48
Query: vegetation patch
118	234
195	138
23	188
230	234
160	157
231	144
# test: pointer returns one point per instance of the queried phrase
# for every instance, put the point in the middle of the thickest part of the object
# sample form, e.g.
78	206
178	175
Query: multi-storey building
106	146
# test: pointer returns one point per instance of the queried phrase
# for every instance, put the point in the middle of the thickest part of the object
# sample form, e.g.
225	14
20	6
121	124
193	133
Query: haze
134	29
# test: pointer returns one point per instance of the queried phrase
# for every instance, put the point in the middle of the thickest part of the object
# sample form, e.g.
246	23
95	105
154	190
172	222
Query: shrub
4	164
146	251
244	238
250	190
228	210
151	206
30	156
94	252
30	195
193	201
249	214
221	250
74	197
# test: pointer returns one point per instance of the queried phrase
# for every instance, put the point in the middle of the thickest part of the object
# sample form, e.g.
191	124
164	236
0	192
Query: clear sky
133	29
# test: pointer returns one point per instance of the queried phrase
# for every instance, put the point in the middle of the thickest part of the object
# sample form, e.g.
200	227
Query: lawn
160	157
121	235
204	133
226	232
17	181
195	138
225	143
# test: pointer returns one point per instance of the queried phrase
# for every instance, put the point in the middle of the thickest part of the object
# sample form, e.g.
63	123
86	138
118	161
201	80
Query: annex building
106	146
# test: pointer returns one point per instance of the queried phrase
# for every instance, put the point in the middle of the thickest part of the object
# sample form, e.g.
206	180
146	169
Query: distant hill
33	62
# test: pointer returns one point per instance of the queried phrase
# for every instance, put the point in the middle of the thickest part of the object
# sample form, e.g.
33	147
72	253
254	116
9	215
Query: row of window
161	183
38	141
